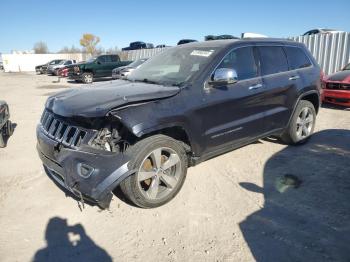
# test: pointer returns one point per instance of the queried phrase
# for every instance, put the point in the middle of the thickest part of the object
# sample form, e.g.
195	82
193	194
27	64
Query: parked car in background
53	69
337	87
124	71
184	106
186	41
96	67
1	66
42	69
63	72
138	45
6	128
219	37
162	46
322	31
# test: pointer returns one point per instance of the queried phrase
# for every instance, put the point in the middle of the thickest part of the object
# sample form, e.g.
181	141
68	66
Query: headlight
109	139
103	140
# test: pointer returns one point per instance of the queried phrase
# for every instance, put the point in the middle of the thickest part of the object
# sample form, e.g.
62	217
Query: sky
117	23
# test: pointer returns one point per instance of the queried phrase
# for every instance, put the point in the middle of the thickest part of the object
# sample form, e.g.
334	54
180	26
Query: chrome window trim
258	45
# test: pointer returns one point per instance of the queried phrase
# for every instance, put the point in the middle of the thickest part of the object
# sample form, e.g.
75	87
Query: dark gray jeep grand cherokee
186	105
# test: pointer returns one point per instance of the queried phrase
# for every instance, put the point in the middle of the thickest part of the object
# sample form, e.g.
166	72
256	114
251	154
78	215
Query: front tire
2	138
302	124
161	164
87	78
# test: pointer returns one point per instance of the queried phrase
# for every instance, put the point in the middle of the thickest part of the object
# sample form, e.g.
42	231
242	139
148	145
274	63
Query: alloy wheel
88	78
159	173
305	123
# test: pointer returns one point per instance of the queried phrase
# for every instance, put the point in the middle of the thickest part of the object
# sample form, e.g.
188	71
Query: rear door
114	62
232	113
102	67
280	86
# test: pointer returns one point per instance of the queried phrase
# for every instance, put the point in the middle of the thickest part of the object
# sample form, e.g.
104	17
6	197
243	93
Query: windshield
174	66
62	62
92	59
347	67
137	63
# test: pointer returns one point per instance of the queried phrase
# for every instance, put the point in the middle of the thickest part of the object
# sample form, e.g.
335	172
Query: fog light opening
85	170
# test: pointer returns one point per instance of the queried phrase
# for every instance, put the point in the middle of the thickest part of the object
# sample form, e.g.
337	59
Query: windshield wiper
146	81
179	84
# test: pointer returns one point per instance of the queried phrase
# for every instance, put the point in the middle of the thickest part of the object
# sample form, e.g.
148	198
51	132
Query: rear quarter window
297	58
114	58
272	59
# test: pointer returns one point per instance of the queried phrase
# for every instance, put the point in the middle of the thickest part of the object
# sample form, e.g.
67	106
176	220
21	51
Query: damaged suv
185	105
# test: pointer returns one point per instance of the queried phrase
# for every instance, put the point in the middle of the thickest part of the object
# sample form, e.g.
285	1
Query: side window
273	60
297	58
114	58
108	58
242	60
102	59
68	62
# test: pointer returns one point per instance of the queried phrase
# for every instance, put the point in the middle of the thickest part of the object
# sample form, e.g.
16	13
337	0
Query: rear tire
302	124
161	164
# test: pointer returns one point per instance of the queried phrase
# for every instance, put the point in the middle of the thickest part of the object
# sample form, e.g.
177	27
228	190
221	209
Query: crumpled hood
98	100
342	76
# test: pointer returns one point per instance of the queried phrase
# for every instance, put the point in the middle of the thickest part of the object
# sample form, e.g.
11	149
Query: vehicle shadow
69	243
306	214
335	107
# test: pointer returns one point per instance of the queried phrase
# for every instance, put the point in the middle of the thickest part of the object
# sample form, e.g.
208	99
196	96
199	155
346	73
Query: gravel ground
234	207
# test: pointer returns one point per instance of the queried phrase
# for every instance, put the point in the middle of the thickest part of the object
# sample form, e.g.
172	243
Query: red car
337	87
63	72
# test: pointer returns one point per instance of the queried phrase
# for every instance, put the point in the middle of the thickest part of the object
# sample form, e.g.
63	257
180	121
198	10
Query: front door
232	113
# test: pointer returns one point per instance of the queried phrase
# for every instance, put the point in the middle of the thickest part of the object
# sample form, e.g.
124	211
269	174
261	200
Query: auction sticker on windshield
202	53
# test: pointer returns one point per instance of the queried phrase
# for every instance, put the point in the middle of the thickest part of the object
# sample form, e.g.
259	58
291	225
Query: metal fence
141	53
331	51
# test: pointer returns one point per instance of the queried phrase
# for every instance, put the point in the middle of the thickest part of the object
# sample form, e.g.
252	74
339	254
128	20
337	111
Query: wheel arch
313	97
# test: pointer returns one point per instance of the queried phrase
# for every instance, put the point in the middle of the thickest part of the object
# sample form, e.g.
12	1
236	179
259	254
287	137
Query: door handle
294	78
255	87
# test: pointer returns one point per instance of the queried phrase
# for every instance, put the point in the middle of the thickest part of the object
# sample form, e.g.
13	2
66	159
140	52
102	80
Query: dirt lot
232	208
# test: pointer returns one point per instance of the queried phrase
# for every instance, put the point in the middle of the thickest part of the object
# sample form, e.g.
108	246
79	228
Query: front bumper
75	76
339	97
90	175
116	75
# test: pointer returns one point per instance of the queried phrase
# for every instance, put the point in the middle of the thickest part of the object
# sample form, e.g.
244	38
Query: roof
229	42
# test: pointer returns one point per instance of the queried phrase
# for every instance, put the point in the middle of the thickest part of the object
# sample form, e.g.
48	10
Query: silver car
53	69
124	71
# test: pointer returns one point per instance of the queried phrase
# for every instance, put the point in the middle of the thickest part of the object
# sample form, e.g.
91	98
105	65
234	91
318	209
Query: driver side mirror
224	76
98	62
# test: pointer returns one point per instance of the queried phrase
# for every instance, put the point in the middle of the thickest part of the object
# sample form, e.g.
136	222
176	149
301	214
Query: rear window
114	58
297	58
273	60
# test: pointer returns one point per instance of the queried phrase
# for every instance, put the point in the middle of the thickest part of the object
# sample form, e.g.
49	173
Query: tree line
89	44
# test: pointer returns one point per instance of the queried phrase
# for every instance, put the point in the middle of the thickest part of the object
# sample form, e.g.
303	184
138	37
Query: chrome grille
61	132
338	86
